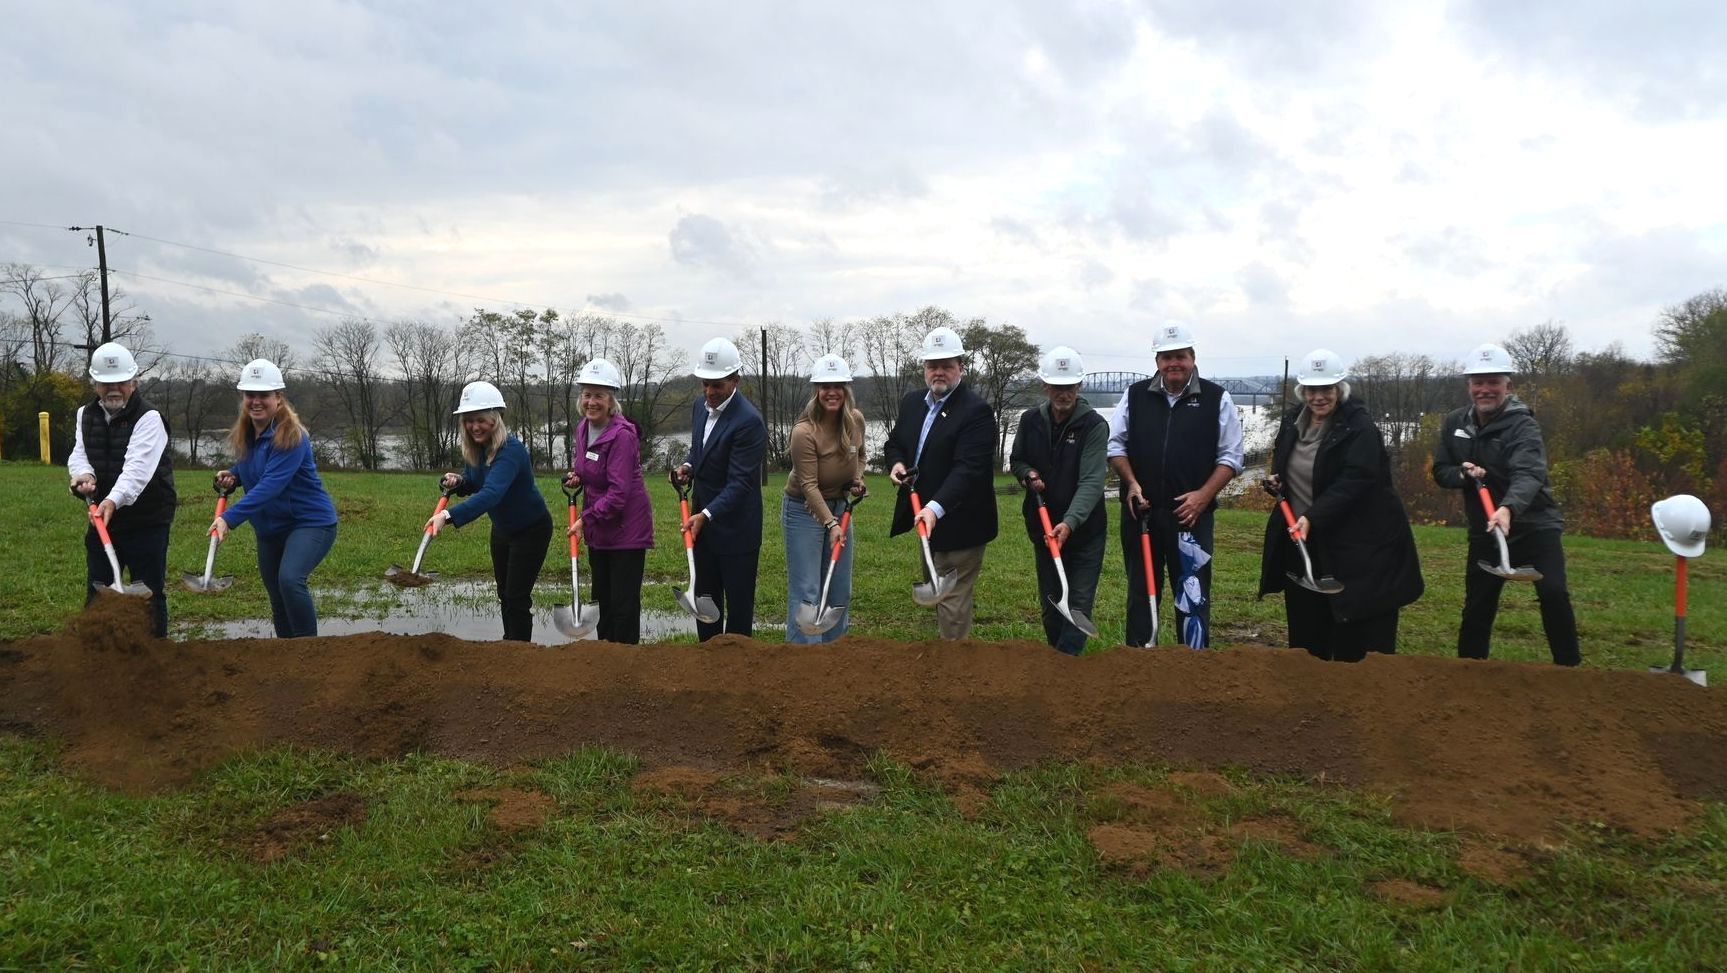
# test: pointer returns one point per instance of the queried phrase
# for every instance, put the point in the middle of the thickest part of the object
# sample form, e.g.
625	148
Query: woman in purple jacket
617	522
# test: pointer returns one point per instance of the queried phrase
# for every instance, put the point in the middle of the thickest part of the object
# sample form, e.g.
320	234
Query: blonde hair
500	432
289	429
845	416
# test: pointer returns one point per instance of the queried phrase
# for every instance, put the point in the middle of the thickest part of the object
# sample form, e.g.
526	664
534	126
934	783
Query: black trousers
1166	558
617	588
143	554
1542	550
730	580
516	561
1314	628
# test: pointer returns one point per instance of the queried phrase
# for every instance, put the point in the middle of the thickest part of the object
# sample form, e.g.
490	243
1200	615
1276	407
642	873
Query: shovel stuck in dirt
208	582
1325	584
575	621
1150	572
939	586
701	606
1683	522
1074	615
816	619
412	578
136	588
1503	569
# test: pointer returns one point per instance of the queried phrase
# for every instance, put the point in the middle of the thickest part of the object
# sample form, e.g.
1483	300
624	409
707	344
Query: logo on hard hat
113	361
1319	364
1061	363
709	356
1169	332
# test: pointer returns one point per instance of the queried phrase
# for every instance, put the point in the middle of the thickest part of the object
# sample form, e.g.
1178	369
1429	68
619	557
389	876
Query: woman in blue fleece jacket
499	481
285	500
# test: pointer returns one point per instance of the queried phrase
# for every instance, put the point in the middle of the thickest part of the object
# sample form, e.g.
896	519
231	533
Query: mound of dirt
1501	748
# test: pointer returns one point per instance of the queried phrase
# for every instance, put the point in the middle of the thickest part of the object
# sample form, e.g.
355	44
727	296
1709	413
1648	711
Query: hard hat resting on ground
1683	521
112	363
1489	359
1061	366
942	343
260	375
600	372
830	369
717	359
1171	337
478	396
1321	366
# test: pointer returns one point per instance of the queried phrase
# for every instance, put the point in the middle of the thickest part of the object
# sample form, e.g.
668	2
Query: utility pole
101	244
766	414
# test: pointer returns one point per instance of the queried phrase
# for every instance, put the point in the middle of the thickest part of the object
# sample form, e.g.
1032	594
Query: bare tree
252	345
126	324
1003	364
779	381
44	302
828	337
649	367
348	355
432	363
196	399
890	352
1694	328
1543	354
1399	388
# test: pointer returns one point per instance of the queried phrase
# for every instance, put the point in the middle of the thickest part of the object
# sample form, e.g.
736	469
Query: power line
39	226
249	297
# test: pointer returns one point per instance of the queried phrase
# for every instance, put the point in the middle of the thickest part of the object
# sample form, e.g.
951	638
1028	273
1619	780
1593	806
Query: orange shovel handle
845	522
101	526
575	548
684	515
1150	571
917	508
1049	540
443	501
221	508
1289	518
1486	501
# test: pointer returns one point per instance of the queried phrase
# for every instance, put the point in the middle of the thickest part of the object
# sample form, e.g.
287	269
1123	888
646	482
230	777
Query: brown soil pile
1501	748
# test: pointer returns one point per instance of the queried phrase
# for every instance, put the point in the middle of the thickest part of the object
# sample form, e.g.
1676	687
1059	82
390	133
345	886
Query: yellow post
42	429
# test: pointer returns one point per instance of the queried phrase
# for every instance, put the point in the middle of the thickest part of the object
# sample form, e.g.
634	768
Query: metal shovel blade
136	589
1504	569
701	606
403	578
197	582
1326	585
565	619
814	620
1077	617
1698	676
935	592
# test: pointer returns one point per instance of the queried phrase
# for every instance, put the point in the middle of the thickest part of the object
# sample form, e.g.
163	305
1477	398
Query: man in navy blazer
727	443
947	434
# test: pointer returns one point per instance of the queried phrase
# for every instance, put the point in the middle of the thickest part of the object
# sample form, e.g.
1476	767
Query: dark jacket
956	470
1510	446
1358	530
1172	448
504	488
105	441
1072	460
727	475
283	489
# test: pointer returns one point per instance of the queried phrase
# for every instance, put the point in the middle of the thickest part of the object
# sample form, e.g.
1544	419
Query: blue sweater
283	490
505	490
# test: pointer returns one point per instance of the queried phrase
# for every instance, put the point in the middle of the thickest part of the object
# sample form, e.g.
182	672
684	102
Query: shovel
208	582
137	588
1503	569
701	606
1325	585
575	621
1150	572
816	619
412	578
938	587
1073	615
1698	676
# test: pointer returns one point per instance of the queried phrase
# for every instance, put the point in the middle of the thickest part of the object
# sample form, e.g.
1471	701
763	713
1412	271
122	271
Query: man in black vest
120	455
948	435
1059	453
1174	441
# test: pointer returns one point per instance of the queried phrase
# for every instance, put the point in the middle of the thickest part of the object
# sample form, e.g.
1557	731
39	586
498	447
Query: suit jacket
727	475
956	470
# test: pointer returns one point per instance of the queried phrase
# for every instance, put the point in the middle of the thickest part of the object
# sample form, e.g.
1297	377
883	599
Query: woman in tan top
827	449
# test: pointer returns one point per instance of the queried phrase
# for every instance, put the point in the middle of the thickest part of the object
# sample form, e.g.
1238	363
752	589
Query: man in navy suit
727	443
948	434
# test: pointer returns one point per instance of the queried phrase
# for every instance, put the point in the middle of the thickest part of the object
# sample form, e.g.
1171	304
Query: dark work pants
617	588
730	580
516	561
1314	628
1083	562
143	555
1166	558
1542	550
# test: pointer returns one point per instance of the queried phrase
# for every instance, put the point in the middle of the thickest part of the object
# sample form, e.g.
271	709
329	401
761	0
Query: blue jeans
807	554
286	561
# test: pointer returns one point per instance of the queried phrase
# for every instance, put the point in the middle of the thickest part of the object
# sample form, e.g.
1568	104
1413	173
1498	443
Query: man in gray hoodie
1060	453
1495	440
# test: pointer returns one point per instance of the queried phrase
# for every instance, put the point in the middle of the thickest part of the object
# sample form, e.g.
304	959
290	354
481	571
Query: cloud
609	302
701	241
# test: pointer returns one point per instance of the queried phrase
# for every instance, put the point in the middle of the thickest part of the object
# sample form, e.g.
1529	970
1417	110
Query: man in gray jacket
1495	440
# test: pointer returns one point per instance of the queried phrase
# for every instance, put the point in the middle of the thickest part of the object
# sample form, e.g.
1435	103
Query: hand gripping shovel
1073	615
412	578
1326	585
1150	572
1503	568
1698	676
575	621
938	587
137	588
816	619
701	606
208	582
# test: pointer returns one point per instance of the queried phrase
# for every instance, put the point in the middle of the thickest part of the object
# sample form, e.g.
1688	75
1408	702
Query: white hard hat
598	371
942	343
112	363
1321	366
717	359
1171	337
1489	359
1061	366
1683	521
830	369
477	396
260	375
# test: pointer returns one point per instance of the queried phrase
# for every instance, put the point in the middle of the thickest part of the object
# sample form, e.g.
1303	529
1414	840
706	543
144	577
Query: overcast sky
1366	176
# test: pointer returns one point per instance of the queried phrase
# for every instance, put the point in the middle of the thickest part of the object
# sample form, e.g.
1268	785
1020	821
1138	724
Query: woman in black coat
1330	461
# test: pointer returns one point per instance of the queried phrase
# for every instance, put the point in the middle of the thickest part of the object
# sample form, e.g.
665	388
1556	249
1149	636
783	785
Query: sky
1370	177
